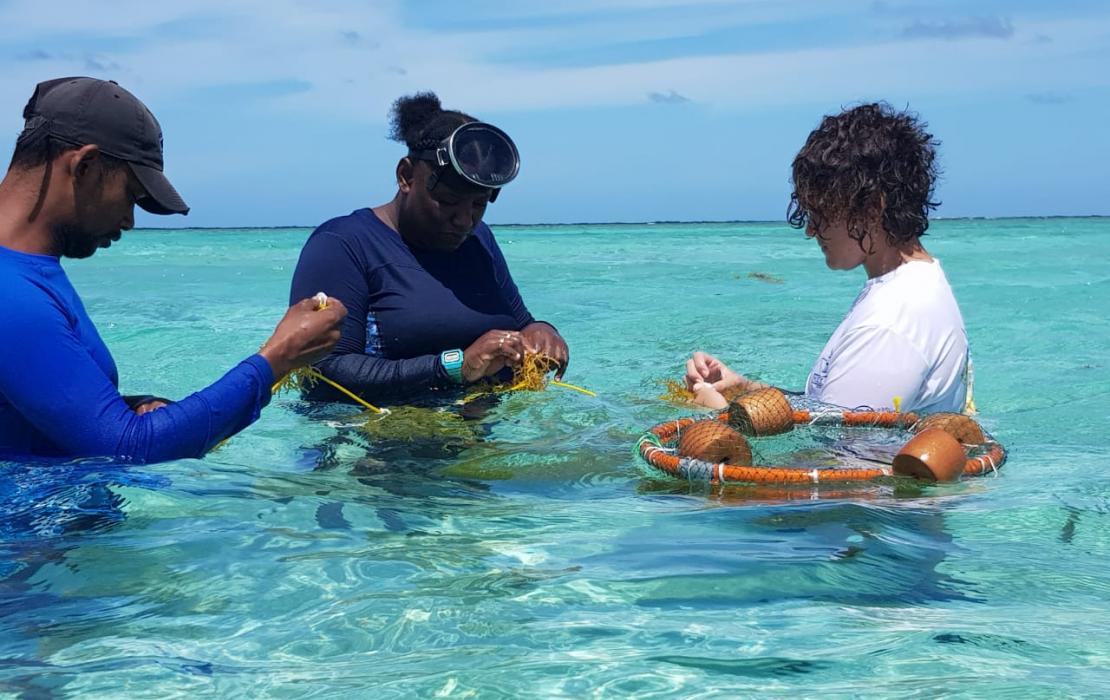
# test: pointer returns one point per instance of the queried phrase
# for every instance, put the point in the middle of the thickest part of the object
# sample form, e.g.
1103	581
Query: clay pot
714	442
761	412
931	455
959	426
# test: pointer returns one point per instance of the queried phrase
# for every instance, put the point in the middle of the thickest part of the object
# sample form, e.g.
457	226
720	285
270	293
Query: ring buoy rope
944	446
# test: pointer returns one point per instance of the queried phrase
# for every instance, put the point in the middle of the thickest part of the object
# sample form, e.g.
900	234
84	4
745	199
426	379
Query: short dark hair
36	147
863	160
420	122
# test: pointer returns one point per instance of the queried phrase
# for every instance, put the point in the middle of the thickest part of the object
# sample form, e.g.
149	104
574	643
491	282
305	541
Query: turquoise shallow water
544	560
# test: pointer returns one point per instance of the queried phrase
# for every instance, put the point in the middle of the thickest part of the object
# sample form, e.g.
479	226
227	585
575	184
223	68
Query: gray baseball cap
82	111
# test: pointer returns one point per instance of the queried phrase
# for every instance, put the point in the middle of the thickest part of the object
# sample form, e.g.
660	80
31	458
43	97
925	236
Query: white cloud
257	42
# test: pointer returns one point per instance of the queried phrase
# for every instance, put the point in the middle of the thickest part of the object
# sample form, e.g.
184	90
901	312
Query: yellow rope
969	378
587	392
307	376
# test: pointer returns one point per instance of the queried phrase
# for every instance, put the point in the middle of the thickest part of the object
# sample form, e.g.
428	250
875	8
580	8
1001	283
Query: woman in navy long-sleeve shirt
431	302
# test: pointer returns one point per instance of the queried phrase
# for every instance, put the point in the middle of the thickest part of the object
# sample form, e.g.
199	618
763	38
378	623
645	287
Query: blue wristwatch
452	361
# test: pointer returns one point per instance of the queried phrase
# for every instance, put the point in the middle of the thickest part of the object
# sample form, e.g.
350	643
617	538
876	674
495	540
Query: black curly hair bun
411	114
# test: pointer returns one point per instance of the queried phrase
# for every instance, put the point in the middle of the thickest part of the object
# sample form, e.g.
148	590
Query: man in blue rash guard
88	153
432	304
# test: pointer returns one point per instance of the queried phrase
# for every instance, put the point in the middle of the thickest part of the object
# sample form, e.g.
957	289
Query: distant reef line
293	227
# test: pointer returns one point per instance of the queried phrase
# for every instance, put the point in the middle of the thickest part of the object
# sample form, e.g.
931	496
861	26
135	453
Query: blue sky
274	111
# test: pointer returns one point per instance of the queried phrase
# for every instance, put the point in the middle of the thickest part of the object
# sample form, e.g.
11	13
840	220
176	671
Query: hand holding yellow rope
307	376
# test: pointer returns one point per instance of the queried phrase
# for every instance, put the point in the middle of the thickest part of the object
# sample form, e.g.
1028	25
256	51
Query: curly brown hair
863	161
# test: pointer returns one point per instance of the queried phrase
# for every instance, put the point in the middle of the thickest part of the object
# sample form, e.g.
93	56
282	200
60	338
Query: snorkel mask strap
437	158
437	155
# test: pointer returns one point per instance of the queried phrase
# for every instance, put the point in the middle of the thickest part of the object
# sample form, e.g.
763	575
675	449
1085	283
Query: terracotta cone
931	455
713	441
959	426
761	412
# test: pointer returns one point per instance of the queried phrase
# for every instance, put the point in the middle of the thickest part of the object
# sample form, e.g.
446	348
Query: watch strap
452	361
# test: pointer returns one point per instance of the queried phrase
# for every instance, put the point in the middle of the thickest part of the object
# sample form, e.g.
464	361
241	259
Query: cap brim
161	197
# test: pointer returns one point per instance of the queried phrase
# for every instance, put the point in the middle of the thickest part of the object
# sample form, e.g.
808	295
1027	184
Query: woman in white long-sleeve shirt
863	188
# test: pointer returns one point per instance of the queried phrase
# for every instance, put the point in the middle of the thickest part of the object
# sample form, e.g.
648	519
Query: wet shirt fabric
405	305
59	393
903	337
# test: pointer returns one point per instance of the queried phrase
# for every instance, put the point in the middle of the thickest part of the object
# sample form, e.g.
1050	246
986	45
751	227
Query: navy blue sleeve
506	284
330	264
53	381
376	378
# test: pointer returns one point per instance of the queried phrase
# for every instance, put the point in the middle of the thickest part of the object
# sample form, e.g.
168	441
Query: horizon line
629	223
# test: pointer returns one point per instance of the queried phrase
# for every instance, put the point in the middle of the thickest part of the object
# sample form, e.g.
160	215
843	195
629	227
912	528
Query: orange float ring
917	458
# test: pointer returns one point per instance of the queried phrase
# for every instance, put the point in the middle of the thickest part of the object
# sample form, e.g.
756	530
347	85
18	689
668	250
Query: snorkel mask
479	153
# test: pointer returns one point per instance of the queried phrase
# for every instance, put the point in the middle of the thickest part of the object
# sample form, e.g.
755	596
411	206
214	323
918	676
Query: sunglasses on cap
479	153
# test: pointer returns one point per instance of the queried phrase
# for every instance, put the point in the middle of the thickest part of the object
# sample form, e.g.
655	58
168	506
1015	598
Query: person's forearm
376	378
197	423
279	363
58	388
752	385
738	381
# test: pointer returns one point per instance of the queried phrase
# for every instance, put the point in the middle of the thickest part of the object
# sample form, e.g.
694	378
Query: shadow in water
400	455
47	509
761	667
850	553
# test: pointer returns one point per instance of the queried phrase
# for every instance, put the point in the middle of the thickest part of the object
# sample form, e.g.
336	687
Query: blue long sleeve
58	383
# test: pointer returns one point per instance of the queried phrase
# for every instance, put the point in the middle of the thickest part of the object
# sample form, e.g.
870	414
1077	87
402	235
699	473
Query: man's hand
305	335
492	352
145	403
545	340
148	406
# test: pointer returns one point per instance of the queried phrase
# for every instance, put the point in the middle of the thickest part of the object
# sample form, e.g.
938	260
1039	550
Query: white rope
652	447
647	452
826	418
990	461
